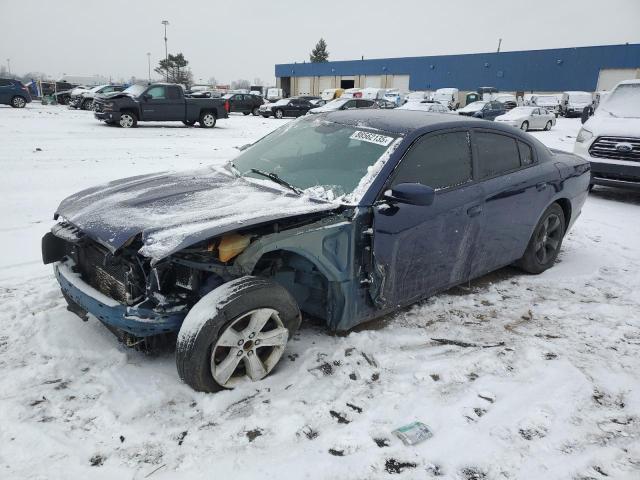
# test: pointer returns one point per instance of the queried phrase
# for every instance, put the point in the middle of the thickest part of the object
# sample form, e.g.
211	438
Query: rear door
516	188
419	250
6	91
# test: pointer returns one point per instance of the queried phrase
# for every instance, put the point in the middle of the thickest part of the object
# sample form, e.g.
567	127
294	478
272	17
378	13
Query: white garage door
304	86
609	77
373	81
325	82
401	82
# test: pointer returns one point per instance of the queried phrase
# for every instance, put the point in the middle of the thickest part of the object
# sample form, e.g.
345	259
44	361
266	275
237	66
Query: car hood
604	124
113	95
172	211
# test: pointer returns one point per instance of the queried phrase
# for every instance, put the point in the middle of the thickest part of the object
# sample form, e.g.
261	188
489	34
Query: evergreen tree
174	69
319	54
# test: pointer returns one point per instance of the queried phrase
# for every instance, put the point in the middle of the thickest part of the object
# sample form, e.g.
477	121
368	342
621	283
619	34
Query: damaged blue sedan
346	217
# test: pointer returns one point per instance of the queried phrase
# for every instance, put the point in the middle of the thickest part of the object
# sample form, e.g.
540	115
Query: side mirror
412	194
147	97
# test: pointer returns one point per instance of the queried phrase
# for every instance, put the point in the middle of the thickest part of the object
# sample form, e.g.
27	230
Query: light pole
149	63
9	65
166	51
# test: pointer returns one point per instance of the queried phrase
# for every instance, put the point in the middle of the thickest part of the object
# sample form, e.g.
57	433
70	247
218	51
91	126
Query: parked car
329	94
385	104
14	93
287	107
344	104
394	95
317	102
425	106
158	102
509	101
417	97
572	103
352	93
528	118
346	217
548	102
610	139
244	103
447	97
84	100
372	93
482	109
64	96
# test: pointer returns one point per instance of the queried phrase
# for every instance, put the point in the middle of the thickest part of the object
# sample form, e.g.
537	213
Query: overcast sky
232	40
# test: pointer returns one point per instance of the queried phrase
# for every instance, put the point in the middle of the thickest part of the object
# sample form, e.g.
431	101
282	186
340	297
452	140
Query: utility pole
166	51
499	43
9	65
149	64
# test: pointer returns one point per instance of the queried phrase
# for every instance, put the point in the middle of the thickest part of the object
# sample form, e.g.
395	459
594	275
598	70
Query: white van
374	93
573	103
610	139
352	93
329	94
447	97
274	94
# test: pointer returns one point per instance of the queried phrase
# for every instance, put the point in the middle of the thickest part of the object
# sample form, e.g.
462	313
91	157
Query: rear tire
86	104
207	120
246	113
265	116
525	126
218	344
18	102
128	120
545	242
189	123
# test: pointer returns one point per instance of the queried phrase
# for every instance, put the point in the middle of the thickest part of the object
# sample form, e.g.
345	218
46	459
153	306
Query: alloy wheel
209	120
548	238
126	120
279	114
249	347
19	102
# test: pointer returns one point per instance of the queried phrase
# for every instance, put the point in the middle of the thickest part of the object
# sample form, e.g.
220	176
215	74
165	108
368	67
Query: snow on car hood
175	210
604	124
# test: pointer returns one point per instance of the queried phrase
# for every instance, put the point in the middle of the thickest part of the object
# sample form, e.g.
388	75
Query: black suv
288	107
244	102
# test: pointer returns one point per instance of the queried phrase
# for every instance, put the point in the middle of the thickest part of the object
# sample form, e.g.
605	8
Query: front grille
97	106
610	147
104	273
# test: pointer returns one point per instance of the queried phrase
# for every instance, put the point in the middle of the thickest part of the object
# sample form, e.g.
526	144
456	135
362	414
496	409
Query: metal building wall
531	70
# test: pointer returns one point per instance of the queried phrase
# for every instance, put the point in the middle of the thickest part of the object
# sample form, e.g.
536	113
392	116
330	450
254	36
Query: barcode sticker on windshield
371	138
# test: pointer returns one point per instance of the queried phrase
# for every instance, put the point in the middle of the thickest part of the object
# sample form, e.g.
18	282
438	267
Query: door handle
541	186
474	211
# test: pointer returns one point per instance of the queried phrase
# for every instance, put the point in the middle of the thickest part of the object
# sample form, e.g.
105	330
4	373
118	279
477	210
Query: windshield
323	158
474	107
284	101
95	89
135	90
623	102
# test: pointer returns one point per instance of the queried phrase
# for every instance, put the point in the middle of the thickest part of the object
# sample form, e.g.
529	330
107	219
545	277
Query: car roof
398	121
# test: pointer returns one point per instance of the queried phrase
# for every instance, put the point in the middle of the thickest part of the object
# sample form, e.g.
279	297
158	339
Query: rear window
497	154
526	154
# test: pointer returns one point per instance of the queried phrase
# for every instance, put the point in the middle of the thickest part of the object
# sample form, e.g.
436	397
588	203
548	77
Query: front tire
18	102
525	126
255	112
87	104
236	333
278	113
189	123
545	243
547	127
265	116
207	120
128	120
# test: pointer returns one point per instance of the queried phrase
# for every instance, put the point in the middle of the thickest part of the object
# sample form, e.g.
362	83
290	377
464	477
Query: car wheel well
565	204
300	277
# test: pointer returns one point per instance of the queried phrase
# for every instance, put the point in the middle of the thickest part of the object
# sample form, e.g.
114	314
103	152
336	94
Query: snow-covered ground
550	389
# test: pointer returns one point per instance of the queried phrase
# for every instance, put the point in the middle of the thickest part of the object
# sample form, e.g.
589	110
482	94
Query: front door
419	250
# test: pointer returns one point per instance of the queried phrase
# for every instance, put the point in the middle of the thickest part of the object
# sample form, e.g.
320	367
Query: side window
5	83
438	161
526	154
497	154
349	104
174	93
157	93
364	103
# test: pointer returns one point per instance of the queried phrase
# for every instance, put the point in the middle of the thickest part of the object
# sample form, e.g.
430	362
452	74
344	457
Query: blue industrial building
551	70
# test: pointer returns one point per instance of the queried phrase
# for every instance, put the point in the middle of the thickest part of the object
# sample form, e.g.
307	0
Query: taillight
357	95
227	107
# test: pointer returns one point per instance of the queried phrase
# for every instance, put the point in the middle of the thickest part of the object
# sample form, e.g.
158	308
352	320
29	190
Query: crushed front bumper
140	322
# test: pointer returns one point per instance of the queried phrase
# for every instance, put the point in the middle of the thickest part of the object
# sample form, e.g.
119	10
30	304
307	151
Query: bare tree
240	84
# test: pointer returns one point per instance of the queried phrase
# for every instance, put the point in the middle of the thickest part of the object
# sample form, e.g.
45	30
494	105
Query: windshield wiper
277	179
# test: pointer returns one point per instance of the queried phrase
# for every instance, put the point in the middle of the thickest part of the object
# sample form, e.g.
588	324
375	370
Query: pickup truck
158	102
